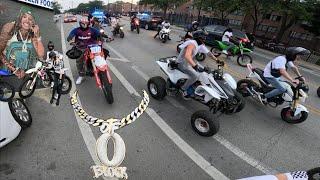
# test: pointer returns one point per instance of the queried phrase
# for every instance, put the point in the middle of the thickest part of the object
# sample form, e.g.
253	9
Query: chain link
111	124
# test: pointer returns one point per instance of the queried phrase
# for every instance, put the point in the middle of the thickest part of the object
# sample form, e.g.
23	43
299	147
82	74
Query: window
235	22
302	36
275	18
272	29
262	27
267	16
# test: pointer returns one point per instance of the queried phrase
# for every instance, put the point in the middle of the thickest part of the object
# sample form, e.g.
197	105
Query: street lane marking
234	149
185	147
85	129
118	59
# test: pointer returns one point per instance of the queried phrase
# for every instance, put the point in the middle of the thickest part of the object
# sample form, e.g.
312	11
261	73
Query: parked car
150	21
14	116
70	18
215	32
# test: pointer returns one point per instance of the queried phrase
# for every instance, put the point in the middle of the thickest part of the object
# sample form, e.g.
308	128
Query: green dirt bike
238	50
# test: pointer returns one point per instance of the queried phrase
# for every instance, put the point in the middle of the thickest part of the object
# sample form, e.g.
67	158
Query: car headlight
121	28
101	31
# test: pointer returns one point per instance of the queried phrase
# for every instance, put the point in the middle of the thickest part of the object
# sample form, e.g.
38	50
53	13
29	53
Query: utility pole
131	4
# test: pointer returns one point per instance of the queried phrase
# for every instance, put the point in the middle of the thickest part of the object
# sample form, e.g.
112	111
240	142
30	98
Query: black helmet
199	36
292	52
52	55
50	46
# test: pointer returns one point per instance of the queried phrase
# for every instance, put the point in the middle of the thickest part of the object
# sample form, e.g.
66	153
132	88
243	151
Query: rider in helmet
160	26
186	63
278	67
84	36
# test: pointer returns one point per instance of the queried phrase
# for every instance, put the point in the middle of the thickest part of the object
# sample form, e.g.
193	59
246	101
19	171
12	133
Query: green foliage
56	7
163	4
221	7
85	7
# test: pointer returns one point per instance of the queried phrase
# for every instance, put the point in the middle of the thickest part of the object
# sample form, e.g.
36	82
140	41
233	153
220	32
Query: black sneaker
185	95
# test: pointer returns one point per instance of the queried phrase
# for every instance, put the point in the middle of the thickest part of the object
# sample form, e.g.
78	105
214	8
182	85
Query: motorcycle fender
300	108
173	74
247	50
229	79
207	92
29	71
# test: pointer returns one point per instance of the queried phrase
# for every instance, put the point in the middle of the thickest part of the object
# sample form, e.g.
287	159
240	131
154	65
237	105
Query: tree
56	7
163	4
314	25
292	12
256	9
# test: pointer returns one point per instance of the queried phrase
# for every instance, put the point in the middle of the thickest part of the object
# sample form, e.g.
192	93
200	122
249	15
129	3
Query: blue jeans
279	89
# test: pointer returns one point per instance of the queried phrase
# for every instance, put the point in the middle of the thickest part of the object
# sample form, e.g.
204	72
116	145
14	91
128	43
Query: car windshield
239	34
210	28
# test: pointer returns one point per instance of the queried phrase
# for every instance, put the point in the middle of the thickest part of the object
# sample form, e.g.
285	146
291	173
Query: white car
14	116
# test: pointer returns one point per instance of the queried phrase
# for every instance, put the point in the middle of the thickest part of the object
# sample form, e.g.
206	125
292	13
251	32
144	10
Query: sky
67	4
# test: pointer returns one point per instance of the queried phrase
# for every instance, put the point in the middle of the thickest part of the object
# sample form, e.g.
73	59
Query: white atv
164	33
215	89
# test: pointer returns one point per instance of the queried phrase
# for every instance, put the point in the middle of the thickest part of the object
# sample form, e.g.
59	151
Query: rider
84	36
96	25
278	67
163	24
226	37
186	63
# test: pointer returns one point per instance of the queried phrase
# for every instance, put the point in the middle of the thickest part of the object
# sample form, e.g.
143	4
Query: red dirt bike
135	24
95	57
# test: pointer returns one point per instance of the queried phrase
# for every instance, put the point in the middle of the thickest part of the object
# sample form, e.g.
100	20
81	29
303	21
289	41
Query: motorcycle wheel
131	28
200	57
106	87
204	123
244	59
241	102
66	86
288	116
138	29
318	91
314	174
7	91
157	87
46	81
178	49
215	51
121	34
243	84
164	40
20	112
114	33
24	90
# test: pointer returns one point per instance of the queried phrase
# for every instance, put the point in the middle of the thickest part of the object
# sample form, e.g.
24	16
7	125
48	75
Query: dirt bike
7	91
135	24
94	55
164	33
238	50
199	56
215	89
29	84
118	29
292	113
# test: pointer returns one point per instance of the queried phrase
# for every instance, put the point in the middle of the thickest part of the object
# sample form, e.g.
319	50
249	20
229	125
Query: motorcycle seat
260	73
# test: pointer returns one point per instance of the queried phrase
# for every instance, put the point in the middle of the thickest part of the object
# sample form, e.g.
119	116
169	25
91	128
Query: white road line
185	147
118	59
244	156
85	129
228	145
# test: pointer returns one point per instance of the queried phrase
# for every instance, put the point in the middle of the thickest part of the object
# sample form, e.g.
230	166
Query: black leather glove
198	68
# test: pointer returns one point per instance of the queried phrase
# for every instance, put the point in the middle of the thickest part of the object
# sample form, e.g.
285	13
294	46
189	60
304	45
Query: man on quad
186	63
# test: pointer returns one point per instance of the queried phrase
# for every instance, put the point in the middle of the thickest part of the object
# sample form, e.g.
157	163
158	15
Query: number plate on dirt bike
95	49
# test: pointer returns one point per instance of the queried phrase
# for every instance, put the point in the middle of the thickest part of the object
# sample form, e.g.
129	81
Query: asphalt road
161	143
